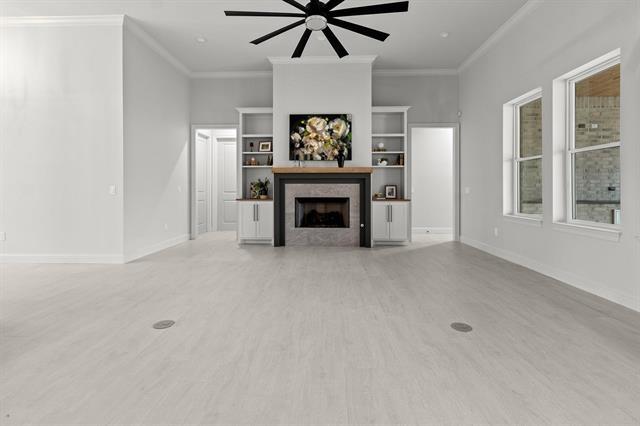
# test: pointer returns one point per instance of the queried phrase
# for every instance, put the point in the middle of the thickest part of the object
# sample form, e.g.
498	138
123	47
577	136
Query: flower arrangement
320	138
260	188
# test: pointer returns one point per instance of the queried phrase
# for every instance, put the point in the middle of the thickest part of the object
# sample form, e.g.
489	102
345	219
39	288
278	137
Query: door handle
257	212
254	213
390	213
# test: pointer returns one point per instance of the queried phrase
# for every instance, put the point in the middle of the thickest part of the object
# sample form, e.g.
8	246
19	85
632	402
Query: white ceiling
415	41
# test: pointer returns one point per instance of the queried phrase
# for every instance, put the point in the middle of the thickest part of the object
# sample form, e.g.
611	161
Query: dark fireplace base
363	180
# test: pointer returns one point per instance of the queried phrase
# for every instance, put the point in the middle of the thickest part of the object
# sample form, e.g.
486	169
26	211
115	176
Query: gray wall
559	37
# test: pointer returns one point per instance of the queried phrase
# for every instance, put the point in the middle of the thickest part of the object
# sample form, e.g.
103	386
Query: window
522	153
527	162
593	148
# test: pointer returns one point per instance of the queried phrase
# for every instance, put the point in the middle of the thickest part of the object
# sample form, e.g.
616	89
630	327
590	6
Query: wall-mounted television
320	137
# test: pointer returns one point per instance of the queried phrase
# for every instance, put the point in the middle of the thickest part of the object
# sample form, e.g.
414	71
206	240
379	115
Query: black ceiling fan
318	15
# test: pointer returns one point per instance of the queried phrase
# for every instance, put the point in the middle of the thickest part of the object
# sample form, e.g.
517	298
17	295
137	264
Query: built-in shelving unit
389	126
256	125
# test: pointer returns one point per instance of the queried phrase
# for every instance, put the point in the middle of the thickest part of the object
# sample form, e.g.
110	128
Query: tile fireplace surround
353	183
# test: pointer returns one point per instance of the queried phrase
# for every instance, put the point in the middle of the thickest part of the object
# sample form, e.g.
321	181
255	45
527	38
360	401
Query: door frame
193	222
456	168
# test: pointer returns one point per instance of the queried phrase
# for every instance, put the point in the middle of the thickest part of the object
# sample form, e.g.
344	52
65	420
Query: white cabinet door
265	221
380	221
398	222
247	225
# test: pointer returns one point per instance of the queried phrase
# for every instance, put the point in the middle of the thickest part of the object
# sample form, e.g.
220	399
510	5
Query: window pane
530	180
597	185
531	129
598	108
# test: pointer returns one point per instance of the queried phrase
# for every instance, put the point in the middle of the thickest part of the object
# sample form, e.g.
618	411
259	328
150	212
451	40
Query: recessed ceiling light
201	39
444	34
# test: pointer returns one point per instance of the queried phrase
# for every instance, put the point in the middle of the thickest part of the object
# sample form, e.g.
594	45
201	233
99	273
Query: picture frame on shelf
391	192
265	146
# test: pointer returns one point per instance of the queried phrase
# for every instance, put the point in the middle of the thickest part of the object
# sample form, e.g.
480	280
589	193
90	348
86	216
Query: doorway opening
434	182
213	179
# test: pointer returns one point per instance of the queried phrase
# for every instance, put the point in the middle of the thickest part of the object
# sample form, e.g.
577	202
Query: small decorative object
264	147
270	160
383	162
253	161
251	146
401	160
391	192
320	137
341	157
260	189
381	146
378	196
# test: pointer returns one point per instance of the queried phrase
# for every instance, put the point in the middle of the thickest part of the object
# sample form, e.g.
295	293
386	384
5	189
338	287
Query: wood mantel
322	170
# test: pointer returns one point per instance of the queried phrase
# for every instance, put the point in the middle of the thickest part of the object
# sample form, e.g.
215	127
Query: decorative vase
340	157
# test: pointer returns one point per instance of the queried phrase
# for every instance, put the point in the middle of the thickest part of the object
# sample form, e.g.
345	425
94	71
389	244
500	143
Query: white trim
63	258
308	60
135	29
431	231
530	220
230	74
255	110
155	248
520	14
569	278
415	72
62	21
593	231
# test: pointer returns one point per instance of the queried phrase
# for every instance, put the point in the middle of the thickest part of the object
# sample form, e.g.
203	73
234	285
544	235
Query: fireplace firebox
322	212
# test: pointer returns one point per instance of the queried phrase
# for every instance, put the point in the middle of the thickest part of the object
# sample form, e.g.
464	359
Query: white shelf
388	135
257	136
388	167
386	152
258	153
257	167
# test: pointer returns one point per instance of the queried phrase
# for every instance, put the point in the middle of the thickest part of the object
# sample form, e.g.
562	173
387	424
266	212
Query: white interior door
202	182
227	189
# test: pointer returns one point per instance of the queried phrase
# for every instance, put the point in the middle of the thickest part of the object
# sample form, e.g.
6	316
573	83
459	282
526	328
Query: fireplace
322	212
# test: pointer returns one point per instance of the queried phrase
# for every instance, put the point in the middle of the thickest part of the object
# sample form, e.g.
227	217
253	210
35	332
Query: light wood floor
314	335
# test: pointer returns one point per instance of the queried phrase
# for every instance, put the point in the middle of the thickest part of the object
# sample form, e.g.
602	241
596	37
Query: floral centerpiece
320	138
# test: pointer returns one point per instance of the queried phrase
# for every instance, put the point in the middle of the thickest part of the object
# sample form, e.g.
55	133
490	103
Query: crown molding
135	29
520	14
61	21
415	72
230	74
313	60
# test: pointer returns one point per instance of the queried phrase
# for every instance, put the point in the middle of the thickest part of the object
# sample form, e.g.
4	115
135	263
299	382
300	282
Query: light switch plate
113	190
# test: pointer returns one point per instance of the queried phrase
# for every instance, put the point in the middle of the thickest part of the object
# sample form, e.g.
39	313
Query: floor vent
163	324
461	327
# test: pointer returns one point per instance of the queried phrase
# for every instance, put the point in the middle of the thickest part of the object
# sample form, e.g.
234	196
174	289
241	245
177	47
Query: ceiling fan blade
296	5
402	6
278	32
337	46
333	3
265	14
365	31
302	44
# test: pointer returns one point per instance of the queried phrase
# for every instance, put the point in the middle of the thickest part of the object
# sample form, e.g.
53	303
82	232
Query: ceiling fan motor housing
316	22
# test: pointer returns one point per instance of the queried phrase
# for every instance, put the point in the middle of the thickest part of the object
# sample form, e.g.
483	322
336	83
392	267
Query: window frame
570	150
517	159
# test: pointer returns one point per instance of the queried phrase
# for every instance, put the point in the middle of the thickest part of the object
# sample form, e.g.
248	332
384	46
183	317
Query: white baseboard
62	258
569	278
428	230
154	248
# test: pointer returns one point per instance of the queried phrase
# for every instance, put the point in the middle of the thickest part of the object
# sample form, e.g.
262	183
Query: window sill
607	234
524	220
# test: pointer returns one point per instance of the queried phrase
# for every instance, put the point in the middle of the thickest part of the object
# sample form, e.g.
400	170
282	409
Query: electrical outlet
3	236
113	190
496	232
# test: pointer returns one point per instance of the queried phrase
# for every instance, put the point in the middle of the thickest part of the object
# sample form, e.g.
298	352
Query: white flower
296	137
316	125
340	128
